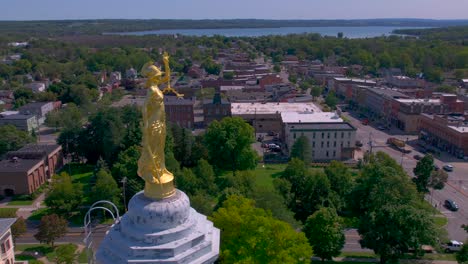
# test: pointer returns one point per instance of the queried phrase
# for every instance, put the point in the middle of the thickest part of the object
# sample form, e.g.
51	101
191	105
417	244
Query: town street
455	189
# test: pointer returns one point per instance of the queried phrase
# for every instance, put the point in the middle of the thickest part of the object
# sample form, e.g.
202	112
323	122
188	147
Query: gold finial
159	182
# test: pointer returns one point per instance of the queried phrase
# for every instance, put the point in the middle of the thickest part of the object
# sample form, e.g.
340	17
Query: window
327	153
334	144
328	144
313	135
342	134
349	144
328	135
322	144
313	144
335	134
334	153
323	135
294	135
349	134
341	144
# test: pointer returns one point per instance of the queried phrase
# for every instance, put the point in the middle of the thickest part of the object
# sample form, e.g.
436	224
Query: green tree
18	228
446	89
251	235
65	254
229	144
302	150
51	228
228	75
12	138
341	180
64	197
393	230
438	179
126	165
325	234
206	177
106	188
331	100
316	91
423	172
462	255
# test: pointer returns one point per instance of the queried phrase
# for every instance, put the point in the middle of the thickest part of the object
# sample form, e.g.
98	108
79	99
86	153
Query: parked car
417	157
451	205
382	128
436	168
359	143
452	246
448	167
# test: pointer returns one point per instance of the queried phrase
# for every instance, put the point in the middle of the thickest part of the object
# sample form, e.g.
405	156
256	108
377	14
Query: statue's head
149	70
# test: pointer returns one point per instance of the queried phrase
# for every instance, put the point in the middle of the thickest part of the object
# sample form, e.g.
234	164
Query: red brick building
180	111
25	170
269	80
446	132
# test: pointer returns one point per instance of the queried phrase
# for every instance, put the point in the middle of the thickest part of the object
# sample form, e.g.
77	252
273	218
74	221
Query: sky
228	9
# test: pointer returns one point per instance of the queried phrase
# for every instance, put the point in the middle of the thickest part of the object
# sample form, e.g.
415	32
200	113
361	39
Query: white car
448	167
453	246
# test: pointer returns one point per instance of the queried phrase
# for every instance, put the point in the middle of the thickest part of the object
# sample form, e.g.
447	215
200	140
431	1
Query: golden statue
159	182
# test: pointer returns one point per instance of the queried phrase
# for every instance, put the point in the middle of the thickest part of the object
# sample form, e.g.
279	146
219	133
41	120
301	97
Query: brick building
446	132
216	109
25	170
180	111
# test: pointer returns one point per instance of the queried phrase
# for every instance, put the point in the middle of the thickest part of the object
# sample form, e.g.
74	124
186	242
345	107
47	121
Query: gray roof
5	224
39	148
325	126
20	165
17	117
173	100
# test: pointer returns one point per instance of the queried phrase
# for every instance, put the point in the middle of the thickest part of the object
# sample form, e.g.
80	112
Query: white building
36	87
7	253
330	137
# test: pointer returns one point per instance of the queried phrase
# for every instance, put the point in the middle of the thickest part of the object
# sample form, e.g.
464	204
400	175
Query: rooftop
17	117
174	100
384	91
18	165
344	79
419	101
39	148
5	224
298	117
272	108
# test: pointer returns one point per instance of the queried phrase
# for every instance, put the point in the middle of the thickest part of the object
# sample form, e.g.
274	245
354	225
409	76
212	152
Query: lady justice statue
159	182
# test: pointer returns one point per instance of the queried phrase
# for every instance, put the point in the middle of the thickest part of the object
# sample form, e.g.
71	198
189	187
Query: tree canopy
252	235
229	144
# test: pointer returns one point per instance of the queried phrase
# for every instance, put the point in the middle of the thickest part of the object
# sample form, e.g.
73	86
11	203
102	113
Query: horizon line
264	19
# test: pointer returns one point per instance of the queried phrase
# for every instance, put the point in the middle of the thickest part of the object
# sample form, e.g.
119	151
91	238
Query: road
455	189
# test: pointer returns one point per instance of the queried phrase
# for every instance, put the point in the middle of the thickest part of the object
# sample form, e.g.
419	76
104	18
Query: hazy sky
216	9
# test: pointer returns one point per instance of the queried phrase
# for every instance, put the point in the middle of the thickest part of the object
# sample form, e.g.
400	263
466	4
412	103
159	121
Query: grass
266	173
38	214
8	212
30	259
20	203
440	221
82	257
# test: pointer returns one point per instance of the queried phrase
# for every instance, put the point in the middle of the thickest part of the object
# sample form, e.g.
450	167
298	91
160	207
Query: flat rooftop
20	165
272	108
322	117
343	79
419	101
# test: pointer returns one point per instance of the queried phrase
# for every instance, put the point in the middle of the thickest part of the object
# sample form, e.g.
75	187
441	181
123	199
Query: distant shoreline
100	26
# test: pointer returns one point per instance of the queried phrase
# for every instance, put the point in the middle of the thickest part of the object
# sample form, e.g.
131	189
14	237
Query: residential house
39	109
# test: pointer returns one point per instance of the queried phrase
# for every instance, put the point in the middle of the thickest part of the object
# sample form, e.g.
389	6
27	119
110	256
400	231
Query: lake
349	32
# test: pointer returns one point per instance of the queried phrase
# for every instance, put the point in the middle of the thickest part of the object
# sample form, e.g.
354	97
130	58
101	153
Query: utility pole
370	143
124	182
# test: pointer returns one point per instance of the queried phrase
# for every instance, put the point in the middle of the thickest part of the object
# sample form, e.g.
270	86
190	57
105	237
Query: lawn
8	212
266	173
29	258
38	214
21	203
28	250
